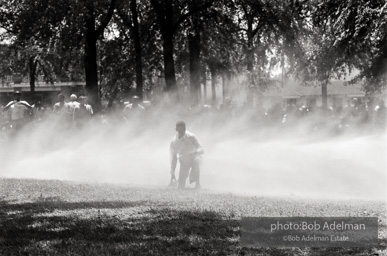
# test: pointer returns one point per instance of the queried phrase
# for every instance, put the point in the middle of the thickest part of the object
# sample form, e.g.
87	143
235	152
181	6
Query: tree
194	46
220	45
6	60
123	60
137	46
267	27
211	43
359	32
165	13
92	34
67	24
130	20
116	68
342	39
29	36
316	57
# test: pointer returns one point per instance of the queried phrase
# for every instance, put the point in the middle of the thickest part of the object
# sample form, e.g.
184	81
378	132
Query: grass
46	217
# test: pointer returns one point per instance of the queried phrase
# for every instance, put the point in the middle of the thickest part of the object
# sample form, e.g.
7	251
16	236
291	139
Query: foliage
118	51
37	35
358	35
316	40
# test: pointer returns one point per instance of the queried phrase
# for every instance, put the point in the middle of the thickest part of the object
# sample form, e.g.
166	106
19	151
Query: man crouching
187	149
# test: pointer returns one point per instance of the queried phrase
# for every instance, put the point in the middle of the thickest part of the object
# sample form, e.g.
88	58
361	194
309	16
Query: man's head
135	100
180	128
61	97
355	102
17	95
82	99
73	97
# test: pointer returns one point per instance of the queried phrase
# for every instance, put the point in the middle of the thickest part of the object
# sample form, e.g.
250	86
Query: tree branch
47	74
190	13
107	19
245	10
160	14
255	31
125	19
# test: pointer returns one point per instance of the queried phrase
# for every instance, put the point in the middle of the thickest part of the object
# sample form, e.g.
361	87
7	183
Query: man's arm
55	108
9	105
199	148
89	109
76	113
24	103
125	113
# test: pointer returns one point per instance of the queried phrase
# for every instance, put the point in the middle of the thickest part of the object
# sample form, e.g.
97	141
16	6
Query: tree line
123	44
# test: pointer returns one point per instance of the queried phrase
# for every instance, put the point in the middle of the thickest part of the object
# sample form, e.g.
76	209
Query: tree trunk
137	47
250	45
113	95
169	66
32	68
250	56
213	84
204	82
164	14
324	95
224	87
168	25
250	65
90	58
194	66
91	71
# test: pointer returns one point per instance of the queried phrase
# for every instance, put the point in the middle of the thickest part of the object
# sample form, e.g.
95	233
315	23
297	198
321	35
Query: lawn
51	217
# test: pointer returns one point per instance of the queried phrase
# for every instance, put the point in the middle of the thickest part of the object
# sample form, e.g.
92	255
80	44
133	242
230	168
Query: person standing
18	111
82	113
134	111
73	104
62	113
186	148
60	106
39	111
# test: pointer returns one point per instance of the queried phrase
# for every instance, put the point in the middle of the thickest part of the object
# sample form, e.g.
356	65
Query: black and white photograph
202	127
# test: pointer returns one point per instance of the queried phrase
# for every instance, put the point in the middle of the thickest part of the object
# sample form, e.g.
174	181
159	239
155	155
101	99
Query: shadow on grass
126	228
51	204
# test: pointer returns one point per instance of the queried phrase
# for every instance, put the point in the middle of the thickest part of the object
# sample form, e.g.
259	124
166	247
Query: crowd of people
368	116
18	113
76	113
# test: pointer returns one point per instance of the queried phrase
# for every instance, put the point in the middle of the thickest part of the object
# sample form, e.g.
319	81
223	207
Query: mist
239	158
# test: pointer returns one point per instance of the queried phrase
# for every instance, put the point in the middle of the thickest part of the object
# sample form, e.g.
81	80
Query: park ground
52	217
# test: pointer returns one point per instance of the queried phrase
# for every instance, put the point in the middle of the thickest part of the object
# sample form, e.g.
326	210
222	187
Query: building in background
340	93
44	92
15	77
